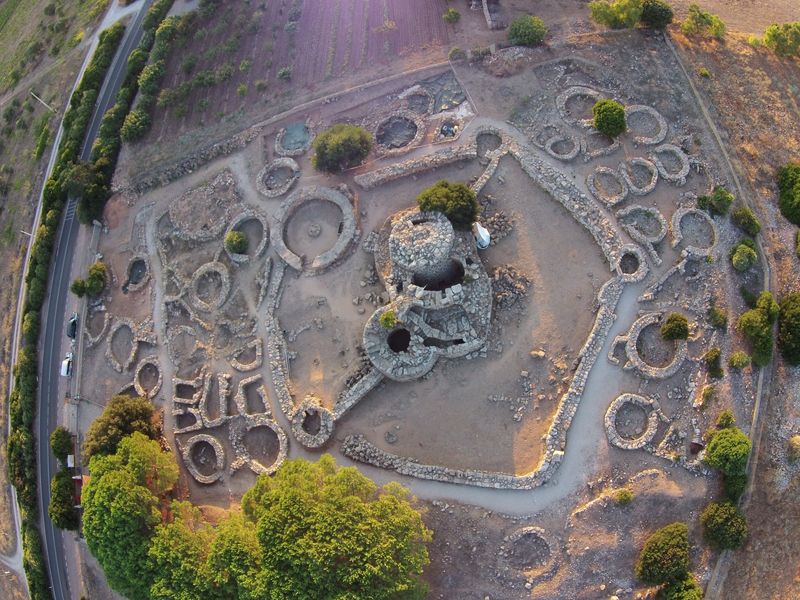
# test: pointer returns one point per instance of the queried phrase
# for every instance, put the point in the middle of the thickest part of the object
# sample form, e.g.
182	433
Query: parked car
482	236
66	365
72	326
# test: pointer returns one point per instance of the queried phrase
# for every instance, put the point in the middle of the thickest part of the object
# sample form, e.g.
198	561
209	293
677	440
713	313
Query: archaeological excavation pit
262	445
294	139
312	424
313	228
399	340
396	132
137	274
210	286
204	458
486	142
277	177
630	421
528	549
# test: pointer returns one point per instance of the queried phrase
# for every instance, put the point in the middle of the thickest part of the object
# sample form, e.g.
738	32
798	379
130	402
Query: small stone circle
340	197
281	150
219	300
243	217
677	177
677	232
326	423
572	92
566	156
530	531
236	432
658	137
137	382
613	200
625	174
598	152
279	163
641	269
408	115
653	416
635	361
133	287
186	452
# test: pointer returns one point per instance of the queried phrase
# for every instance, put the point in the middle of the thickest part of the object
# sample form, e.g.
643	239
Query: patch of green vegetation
703	24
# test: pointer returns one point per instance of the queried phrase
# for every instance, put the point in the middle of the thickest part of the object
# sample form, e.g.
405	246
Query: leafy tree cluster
527	30
121	417
312	531
94	284
455	200
616	14
789	328
609	118
716	203
451	15
236	242
728	451
340	147
783	39
665	556
62	509
756	325
656	14
743	255
745	220
739	360
724	525
683	589
703	23
61	443
675	327
789	192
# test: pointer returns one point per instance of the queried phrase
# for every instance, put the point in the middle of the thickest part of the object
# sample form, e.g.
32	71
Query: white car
66	365
482	236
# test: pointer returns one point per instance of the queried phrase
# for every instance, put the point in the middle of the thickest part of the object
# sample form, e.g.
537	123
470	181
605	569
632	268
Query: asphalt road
53	334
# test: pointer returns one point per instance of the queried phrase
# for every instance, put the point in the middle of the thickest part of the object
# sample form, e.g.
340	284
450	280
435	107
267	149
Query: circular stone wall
344	236
204	458
696	229
421	242
293	140
312	424
398	133
276	178
650	406
399	353
635	360
148	378
631	265
210	285
242	223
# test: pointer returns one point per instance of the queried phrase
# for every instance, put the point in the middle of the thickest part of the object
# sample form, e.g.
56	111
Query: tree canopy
340	147
527	30
455	200
122	416
728	451
62	501
665	555
675	327
609	118
789	328
724	525
61	443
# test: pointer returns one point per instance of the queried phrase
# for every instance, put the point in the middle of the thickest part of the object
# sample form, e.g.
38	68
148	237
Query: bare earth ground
742	77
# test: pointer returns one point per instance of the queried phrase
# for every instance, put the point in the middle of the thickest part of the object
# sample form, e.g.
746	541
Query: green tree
122	416
745	220
61	443
665	555
789	188
328	532
136	124
62	509
609	118
455	200
783	39
743	256
236	242
340	147
716	203
656	14
683	589
616	14
30	327
789	328
728	451
527	31
451	16
675	327
234	560
724	525
739	360
756	325
703	23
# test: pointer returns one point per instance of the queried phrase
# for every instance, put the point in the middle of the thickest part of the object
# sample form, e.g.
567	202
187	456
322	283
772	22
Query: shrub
456	53
783	39
739	360
756	325
451	15
718	317
745	220
665	555
684	589
743	256
62	509
724	526
260	85
136	124
340	147
734	485
726	420
455	200
616	14
609	118
285	73
30	327
728	451
623	496
708	393
789	192
244	66
704	72
61	443
713	360
122	416
717	203
793	448
78	287
703	23
527	31
656	14
675	327
241	90
789	328
388	319
236	242
797	243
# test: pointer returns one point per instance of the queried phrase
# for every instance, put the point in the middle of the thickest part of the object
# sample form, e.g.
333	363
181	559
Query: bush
724	526
728	451
616	14
793	449
341	147
783	39
122	416
451	15
609	118
455	200
241	90
61	443
388	319
718	317
623	496
285	73
236	242
713	360
739	360
789	328
136	124
78	287
703	23
656	14
745	220
707	395
743	256
734	485
726	420
30	327
717	203
665	555
797	243
789	192
756	325
456	53
684	589
676	327
62	509
526	31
